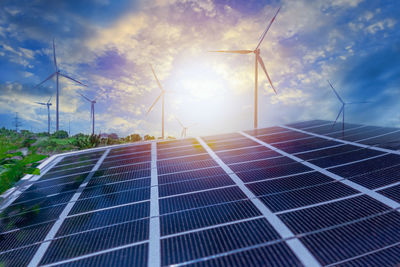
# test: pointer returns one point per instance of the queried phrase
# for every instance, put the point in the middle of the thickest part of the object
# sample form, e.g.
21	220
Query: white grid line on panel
381	198
298	248
53	231
154	228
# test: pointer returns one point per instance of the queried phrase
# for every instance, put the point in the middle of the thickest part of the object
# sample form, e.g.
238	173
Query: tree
149	137
133	138
113	136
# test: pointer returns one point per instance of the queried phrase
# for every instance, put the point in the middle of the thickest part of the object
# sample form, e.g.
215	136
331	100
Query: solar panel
302	194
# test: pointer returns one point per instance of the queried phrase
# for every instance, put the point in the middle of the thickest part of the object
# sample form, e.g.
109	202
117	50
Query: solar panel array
291	195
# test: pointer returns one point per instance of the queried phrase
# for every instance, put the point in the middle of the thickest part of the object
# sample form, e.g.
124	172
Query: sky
109	45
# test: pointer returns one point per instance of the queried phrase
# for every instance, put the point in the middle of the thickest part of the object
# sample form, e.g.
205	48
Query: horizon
355	44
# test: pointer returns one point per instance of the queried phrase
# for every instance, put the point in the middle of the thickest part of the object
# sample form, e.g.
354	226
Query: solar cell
200	244
278	196
354	239
129	256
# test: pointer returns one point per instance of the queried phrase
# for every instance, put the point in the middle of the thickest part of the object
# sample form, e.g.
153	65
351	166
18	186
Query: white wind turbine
258	59
57	73
184	128
162	94
341	111
92	117
48	104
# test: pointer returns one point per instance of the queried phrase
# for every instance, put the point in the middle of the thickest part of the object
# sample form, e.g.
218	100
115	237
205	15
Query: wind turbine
158	98
57	73
184	128
341	111
92	102
258	59
48	104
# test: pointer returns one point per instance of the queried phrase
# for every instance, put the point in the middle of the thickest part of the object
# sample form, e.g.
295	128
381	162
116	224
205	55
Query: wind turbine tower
48	104
341	111
258	60
92	102
162	94
58	73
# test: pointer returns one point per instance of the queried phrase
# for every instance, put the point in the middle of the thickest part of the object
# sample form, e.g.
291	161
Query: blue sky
109	45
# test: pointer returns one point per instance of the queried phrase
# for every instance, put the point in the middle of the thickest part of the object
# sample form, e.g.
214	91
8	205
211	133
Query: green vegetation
21	153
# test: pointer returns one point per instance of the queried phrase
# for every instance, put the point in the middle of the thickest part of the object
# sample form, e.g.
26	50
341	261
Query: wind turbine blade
40	103
48	78
337	95
54	55
49	100
267	29
73	79
155	76
151	107
85	97
179	122
340	112
233	51
265	71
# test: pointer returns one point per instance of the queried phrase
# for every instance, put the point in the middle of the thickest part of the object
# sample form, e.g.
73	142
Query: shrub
60	134
149	137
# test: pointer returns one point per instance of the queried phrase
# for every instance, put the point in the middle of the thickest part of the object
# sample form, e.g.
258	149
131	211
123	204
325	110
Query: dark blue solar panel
23	237
392	192
389	141
217	240
179	152
30	217
270	130
200	199
306	196
104	201
265	163
283	137
335	213
119	174
345	158
186	166
378	178
104	218
19	257
228	158
66	172
96	180
39	202
189	175
92	241
303	146
207	216
366	166
129	149
194	185
71	179
275	255
262	174
180	160
288	183
131	256
354	239
120	169
327	152
306	124
387	257
232	144
115	187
